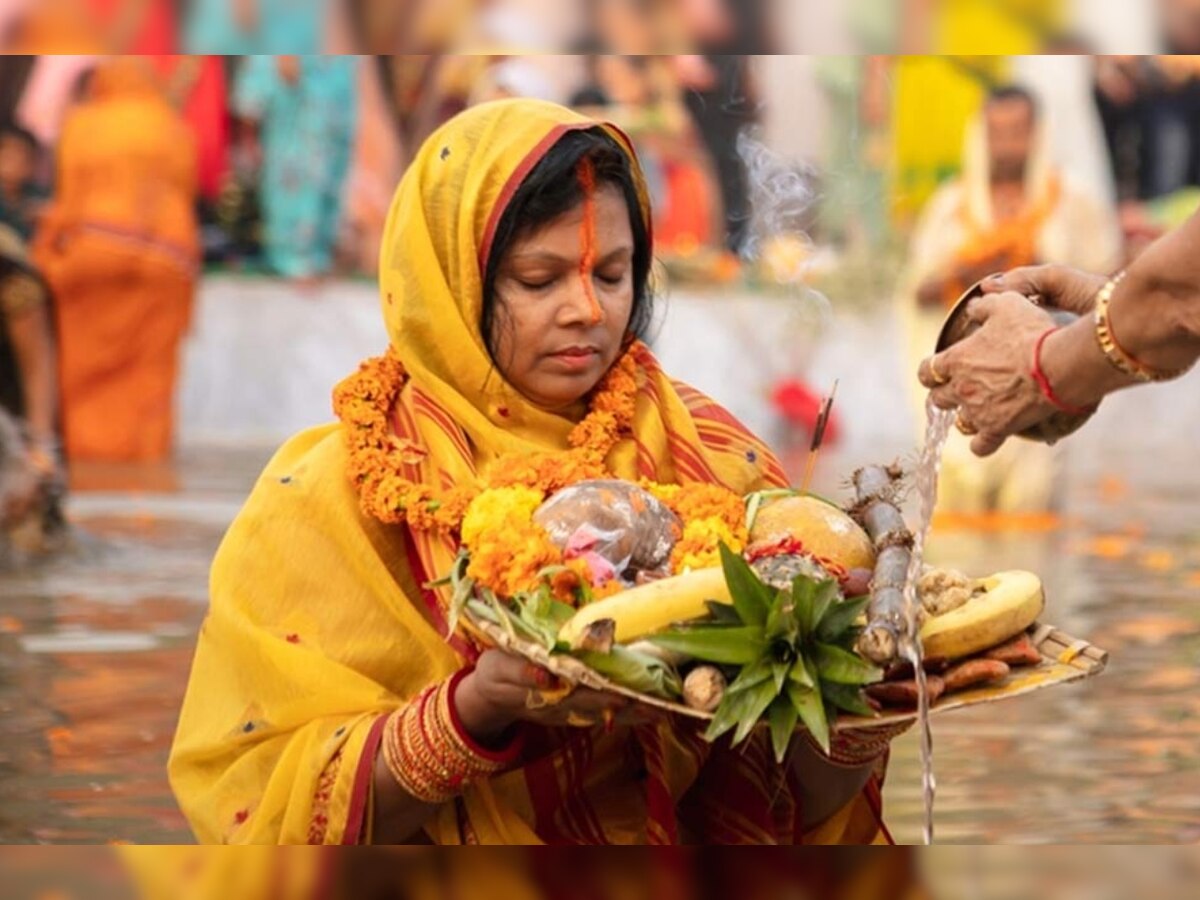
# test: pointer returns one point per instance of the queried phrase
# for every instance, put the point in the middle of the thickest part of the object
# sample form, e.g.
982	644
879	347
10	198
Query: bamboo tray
1064	659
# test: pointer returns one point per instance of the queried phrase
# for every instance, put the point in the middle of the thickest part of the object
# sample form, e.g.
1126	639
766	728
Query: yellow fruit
823	529
651	607
1010	603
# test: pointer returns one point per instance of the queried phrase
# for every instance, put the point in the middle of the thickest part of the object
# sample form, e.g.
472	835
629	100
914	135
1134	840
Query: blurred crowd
123	177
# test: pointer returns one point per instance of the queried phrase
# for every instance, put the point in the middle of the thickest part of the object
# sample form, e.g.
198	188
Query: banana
651	607
1010	603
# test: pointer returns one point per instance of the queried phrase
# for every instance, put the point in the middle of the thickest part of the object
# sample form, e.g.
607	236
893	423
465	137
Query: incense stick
817	438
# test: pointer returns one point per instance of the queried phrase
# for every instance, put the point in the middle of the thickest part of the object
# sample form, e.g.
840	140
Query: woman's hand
505	689
1059	286
988	376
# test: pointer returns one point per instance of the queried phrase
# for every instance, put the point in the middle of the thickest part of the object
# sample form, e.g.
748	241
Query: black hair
551	189
24	135
1013	92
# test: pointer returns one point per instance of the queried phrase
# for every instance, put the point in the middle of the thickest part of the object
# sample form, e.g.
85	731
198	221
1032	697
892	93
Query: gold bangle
424	751
1118	357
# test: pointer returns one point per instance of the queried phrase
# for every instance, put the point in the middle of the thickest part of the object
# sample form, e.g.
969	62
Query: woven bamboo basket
1064	659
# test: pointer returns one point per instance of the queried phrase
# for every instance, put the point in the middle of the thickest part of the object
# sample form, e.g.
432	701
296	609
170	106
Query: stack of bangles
429	753
1119	358
858	747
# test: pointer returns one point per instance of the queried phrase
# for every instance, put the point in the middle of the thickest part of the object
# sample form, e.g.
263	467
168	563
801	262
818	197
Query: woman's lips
575	358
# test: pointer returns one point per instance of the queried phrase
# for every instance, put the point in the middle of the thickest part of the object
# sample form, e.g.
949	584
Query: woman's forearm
398	816
1155	312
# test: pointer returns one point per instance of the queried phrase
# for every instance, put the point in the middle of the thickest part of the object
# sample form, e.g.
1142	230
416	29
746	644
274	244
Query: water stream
925	480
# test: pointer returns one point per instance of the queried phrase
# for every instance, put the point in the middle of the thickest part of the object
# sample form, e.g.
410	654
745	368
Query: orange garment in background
119	247
199	89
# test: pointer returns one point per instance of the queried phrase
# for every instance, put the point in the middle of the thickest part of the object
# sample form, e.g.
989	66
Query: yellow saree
319	626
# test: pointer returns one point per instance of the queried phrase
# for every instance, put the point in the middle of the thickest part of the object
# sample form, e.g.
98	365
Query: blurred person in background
1010	207
22	195
643	95
31	472
300	114
119	248
14	74
96	26
247	27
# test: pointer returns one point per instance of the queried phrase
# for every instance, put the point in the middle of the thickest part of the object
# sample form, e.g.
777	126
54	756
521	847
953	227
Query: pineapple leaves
725	646
839	618
760	698
751	676
782	716
843	667
825	594
722	613
751	598
847	698
810	709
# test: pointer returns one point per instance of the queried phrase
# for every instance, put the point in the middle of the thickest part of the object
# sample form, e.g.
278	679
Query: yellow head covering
319	627
434	255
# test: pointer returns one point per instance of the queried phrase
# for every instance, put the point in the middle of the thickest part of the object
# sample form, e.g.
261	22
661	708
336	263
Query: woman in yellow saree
514	279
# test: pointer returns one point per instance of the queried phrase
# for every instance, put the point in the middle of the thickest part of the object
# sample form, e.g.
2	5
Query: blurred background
187	256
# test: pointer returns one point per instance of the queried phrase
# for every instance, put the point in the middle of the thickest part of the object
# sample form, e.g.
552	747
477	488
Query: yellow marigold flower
497	509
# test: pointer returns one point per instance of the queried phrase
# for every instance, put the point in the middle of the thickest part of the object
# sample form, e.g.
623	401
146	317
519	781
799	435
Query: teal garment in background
281	26
307	131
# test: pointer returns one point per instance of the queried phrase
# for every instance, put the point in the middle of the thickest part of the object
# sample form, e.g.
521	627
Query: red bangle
1043	382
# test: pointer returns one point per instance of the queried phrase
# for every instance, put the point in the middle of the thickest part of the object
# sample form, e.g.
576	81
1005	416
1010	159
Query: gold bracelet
428	753
1121	359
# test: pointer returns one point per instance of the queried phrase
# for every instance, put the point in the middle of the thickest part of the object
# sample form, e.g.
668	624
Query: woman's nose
582	304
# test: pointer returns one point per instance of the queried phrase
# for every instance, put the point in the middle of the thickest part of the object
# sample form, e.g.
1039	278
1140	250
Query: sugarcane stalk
876	489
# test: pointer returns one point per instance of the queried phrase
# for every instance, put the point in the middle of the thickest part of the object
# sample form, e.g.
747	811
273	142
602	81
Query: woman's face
554	338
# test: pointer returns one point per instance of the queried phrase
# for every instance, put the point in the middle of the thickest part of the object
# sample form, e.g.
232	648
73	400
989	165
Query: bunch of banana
789	653
971	615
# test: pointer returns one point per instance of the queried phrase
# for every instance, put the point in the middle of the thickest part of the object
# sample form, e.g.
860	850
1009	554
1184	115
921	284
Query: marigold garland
494	518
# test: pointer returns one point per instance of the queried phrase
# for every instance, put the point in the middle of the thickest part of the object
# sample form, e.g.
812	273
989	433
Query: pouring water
928	467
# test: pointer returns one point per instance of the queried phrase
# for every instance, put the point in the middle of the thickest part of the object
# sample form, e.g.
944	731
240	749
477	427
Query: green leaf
782	716
780	672
734	707
799	675
847	697
760	699
481	610
802	598
722	613
751	597
839	618
810	709
843	667
782	621
715	644
825	593
751	676
634	670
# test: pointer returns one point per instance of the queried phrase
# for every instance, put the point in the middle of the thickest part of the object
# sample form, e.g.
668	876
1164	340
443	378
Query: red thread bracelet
1043	382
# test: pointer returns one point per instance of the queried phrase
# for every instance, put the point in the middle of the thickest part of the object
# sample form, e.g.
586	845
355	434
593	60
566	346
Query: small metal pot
957	327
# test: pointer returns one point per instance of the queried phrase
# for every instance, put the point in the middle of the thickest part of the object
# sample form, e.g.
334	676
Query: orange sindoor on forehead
587	236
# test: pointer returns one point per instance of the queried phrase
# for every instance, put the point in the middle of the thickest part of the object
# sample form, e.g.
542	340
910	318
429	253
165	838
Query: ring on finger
938	378
964	426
